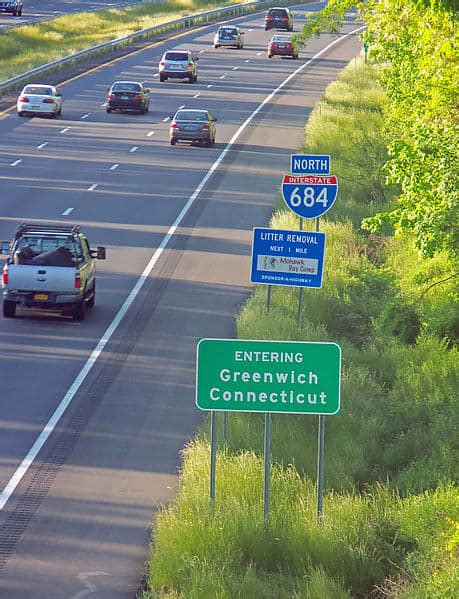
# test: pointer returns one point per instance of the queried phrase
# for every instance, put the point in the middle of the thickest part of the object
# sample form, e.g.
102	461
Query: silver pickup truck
49	267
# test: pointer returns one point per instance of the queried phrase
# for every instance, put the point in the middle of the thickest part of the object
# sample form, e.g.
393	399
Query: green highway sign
292	377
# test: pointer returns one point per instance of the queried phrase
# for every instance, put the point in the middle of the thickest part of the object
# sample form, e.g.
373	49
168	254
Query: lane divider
133	149
93	187
166	119
43	145
16	162
114	167
67	212
85	116
29	459
222	76
150	133
196	96
65	130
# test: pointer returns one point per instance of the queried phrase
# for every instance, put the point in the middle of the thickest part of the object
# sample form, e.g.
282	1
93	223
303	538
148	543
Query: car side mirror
100	252
197	58
5	247
214	118
171	116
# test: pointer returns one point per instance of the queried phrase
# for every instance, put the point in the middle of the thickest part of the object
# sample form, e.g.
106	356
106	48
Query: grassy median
390	508
24	48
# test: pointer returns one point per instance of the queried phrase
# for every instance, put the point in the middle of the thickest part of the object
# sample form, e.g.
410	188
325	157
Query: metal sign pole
320	466
268	303
213	456
300	299
267	465
225	426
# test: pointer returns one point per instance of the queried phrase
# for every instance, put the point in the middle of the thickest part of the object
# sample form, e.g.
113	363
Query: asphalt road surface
75	514
38	10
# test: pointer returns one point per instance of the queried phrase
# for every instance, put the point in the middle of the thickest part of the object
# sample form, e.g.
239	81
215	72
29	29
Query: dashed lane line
150	133
133	149
42	145
65	129
67	212
93	187
166	119
85	116
16	162
114	166
196	95
222	76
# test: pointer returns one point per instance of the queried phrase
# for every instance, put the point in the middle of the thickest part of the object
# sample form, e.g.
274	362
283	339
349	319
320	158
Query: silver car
229	35
178	64
194	126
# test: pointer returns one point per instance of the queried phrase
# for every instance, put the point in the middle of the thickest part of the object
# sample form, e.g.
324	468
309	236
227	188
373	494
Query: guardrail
178	24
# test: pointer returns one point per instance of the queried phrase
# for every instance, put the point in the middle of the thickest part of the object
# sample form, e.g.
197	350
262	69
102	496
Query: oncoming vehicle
49	267
14	7
128	95
178	64
279	18
229	35
282	45
38	99
194	126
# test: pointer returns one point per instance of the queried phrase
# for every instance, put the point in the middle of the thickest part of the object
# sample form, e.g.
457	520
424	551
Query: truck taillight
5	275
77	281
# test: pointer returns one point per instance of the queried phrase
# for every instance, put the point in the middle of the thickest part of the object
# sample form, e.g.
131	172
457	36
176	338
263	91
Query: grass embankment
24	48
391	508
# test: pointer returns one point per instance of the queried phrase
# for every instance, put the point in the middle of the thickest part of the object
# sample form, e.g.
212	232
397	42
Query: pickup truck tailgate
28	277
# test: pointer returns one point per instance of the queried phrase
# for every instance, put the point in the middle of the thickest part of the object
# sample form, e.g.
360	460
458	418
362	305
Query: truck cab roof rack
47	228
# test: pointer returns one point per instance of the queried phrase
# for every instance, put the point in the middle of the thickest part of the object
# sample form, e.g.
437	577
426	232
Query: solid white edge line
68	397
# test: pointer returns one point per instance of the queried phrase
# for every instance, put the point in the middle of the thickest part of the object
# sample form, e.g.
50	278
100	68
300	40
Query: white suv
178	64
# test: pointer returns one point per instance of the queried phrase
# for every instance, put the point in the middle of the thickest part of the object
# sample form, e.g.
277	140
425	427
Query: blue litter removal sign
291	258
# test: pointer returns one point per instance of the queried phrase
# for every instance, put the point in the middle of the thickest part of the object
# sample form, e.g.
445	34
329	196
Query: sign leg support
213	456
225	427
268	301
320	466
266	492
300	299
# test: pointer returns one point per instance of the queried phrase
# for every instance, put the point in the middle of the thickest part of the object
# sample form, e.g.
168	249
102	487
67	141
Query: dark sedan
194	126
128	95
282	45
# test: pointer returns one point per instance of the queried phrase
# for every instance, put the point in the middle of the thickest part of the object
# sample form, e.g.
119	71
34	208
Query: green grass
391	507
24	48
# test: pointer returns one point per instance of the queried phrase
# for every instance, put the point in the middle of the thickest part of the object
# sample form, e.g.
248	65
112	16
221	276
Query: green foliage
400	319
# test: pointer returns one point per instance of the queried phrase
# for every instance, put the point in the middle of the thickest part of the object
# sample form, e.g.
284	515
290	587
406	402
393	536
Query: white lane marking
250	29
85	116
182	106
65	130
150	133
222	76
248	60
133	149
196	96
95	354
114	166
201	51
67	212
90	587
210	85
43	145
104	105
166	119
235	68
259	53
16	162
93	186
156	75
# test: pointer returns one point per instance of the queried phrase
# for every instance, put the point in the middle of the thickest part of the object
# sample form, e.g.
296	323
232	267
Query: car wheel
270	55
173	142
92	300
20	113
162	78
147	107
9	309
216	46
191	79
79	311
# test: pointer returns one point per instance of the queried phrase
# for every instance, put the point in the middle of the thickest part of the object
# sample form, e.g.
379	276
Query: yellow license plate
40	296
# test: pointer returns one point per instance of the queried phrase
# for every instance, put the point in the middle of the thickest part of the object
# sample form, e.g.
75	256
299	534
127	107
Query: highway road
95	413
38	10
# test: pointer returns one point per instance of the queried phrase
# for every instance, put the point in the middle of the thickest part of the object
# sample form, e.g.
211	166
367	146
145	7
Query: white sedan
39	99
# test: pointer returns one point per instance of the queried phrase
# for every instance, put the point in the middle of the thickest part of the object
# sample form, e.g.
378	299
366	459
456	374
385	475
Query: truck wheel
79	311
9	309
92	300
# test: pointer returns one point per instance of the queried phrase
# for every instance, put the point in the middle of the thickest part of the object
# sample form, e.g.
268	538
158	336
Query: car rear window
176	56
126	87
227	34
277	13
191	115
38	91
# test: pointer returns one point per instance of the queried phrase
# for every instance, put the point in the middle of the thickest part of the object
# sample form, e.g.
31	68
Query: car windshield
191	115
38	91
176	56
126	87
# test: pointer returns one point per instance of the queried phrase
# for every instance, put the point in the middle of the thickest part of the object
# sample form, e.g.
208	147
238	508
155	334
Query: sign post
267	459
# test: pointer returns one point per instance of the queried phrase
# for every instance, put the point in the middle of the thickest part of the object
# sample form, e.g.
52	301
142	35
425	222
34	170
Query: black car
279	18
12	6
128	95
